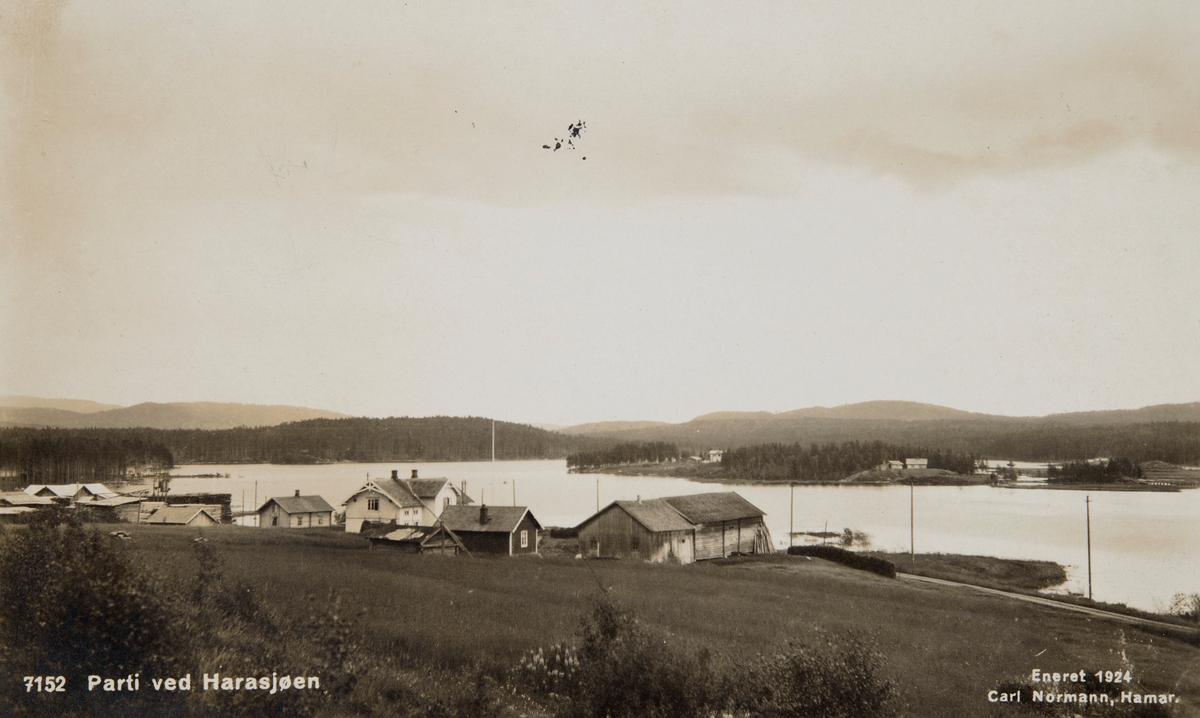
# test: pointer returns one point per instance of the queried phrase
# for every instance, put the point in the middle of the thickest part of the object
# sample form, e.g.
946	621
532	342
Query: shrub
1185	605
881	566
628	671
623	668
841	678
71	605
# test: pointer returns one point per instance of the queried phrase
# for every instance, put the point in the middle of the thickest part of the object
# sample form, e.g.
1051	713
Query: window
372	504
524	539
320	521
634	543
274	520
445	503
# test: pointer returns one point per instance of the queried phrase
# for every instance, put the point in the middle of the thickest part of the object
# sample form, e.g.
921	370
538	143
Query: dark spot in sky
574	132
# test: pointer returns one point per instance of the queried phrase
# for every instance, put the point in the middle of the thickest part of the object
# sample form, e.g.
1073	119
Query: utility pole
792	520
514	492
256	500
597	494
912	531
1088	504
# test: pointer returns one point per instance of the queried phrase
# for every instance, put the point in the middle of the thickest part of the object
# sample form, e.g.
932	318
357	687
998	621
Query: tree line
830	461
78	455
633	452
1101	472
61	456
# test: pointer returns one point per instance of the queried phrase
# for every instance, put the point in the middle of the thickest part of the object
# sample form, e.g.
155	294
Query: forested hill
1176	442
438	438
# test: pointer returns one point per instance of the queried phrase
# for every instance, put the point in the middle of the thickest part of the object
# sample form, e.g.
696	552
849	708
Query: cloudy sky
348	205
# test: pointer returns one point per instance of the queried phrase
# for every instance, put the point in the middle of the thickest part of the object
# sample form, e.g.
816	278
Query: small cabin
916	463
295	512
496	530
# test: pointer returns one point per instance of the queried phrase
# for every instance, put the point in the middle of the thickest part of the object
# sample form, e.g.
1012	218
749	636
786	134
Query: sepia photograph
599	360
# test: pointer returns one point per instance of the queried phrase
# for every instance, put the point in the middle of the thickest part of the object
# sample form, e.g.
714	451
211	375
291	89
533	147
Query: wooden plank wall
723	539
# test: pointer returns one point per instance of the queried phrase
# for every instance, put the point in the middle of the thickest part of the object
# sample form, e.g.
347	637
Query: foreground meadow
439	632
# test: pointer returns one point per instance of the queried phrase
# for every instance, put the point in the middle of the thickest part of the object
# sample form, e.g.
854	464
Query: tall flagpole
912	532
493	461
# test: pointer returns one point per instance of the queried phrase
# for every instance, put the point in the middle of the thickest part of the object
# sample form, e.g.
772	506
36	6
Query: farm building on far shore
676	528
295	512
916	463
186	515
504	530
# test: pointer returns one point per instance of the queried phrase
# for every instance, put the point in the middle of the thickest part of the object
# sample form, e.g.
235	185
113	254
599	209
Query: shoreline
711	474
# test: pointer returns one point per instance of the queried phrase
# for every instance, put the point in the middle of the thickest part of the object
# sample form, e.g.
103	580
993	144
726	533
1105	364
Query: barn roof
299	504
501	519
69	490
707	508
412	533
183	514
118	501
655	515
20	498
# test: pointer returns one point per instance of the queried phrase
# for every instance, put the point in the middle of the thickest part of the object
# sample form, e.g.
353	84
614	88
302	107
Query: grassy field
947	647
1004	574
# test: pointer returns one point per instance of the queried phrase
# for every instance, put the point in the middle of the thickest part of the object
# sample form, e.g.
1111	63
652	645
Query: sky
349	206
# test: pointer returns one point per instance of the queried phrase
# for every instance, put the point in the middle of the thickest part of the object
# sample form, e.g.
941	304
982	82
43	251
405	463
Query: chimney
483	517
297	493
395	474
414	473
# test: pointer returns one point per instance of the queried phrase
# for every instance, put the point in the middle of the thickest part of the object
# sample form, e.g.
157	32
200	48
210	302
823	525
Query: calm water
1143	543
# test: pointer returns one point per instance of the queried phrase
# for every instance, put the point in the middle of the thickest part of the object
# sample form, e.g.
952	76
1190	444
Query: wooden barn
650	530
676	528
495	530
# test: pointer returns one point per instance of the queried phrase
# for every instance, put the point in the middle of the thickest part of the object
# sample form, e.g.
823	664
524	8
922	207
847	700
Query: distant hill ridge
901	422
24	411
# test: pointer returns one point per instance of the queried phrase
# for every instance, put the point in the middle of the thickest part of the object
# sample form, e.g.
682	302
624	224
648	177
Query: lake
1143	543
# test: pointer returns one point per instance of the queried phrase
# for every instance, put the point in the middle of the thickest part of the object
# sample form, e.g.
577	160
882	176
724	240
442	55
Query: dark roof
415	534
655	515
183	514
501	519
709	508
426	488
299	504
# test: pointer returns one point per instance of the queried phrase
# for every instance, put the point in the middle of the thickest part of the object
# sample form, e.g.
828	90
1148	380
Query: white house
407	502
916	463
